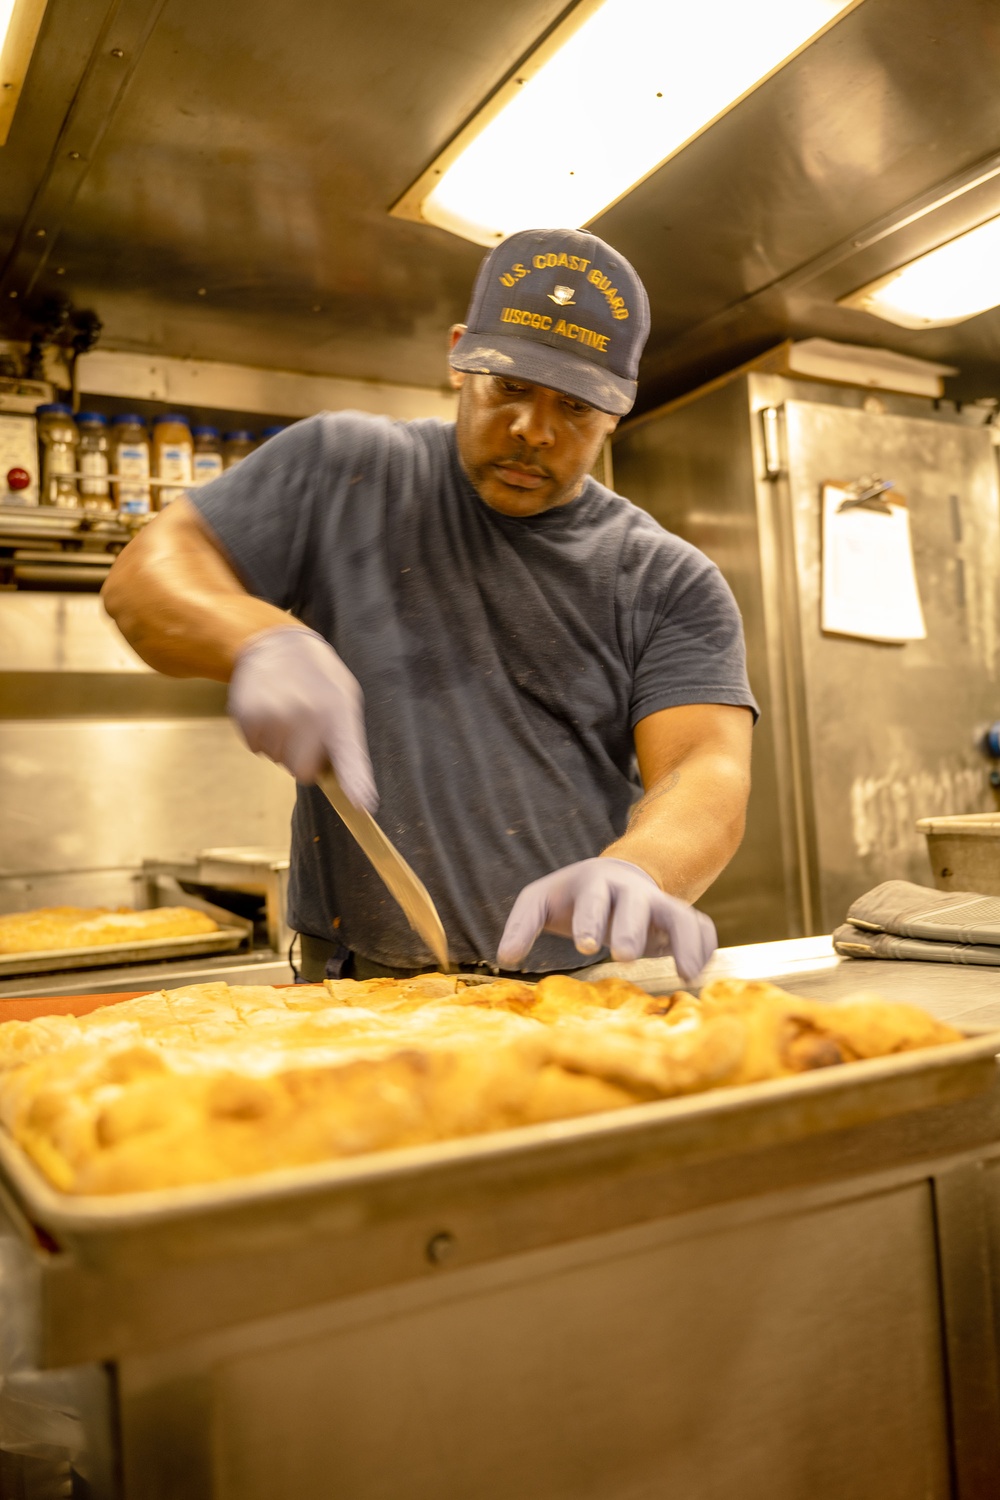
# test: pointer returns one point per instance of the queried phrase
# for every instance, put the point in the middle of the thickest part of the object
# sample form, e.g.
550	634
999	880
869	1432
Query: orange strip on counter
60	1005
69	1005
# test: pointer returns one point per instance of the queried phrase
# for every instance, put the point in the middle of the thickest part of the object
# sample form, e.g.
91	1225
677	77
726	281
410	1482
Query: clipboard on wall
869	586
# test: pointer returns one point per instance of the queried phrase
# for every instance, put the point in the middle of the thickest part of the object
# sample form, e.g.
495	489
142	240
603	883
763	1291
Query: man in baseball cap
541	691
560	308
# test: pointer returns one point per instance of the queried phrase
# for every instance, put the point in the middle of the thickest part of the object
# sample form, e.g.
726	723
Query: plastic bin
964	851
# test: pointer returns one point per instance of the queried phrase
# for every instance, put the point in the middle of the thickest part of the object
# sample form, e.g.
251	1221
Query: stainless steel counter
247	968
810	967
617	1309
805	966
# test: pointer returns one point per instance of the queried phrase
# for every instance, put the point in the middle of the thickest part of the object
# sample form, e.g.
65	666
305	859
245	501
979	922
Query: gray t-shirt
504	663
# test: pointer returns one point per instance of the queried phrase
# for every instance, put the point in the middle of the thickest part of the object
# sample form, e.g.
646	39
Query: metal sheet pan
720	1122
54	960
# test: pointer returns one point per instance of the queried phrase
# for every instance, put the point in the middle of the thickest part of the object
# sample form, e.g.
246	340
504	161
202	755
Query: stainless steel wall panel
61	633
108	695
96	794
67	888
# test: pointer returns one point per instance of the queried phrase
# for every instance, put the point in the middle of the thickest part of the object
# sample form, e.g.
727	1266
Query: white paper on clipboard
869	584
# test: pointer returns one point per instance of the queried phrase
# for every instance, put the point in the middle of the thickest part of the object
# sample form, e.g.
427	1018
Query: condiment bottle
95	491
58	437
207	455
270	432
236	446
130	461
173	457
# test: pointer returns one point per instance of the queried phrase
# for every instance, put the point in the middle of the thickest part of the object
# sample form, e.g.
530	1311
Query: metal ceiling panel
231	202
237	206
890	103
117	49
59	61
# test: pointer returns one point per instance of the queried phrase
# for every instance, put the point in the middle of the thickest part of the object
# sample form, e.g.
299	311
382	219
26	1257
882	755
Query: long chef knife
408	889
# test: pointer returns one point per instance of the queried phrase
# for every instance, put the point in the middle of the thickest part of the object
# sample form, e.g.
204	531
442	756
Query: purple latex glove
608	901
295	701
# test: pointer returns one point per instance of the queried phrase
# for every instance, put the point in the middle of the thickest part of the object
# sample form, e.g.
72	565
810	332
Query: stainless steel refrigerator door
856	740
693	467
888	729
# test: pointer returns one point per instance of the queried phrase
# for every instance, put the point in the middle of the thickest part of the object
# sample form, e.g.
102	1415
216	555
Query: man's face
525	448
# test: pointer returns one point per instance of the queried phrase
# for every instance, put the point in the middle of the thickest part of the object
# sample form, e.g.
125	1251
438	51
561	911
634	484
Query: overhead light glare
601	103
958	280
19	23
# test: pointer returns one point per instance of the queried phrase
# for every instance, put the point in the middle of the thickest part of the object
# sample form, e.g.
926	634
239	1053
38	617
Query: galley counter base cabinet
776	1298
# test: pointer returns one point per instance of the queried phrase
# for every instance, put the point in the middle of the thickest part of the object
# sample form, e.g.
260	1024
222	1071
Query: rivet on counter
441	1248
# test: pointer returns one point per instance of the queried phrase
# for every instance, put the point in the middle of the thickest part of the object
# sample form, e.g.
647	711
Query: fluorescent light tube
956	281
607	98
19	23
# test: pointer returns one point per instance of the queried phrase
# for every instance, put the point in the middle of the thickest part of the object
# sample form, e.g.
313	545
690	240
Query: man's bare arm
695	766
176	600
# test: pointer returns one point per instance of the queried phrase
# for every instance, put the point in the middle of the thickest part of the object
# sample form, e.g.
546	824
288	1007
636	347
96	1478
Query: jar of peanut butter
173	458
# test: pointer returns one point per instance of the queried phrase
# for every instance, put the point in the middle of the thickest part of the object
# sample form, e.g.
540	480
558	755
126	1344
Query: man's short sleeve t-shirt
504	663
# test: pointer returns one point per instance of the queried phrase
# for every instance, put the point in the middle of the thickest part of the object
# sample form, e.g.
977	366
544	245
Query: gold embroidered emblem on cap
563	295
543	323
610	293
513	276
582	335
548	258
541	262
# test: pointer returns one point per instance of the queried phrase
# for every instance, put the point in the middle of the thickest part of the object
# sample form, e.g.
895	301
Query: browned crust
211	1081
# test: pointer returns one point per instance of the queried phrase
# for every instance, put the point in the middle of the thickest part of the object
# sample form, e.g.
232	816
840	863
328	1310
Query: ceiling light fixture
19	23
608	96
957	280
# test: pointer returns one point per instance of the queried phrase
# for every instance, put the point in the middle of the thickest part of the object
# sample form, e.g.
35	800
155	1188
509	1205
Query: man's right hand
295	701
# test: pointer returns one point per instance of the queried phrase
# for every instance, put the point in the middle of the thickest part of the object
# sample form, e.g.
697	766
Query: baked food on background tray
54	927
216	1081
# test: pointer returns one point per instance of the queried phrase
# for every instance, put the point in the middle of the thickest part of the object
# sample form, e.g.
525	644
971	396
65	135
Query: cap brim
528	359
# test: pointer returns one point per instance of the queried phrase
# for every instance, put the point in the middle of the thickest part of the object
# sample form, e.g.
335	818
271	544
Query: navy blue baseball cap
560	308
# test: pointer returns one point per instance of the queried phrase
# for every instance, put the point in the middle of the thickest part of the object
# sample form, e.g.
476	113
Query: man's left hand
608	902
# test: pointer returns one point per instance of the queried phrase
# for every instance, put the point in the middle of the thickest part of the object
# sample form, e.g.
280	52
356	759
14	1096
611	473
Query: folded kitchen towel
914	911
901	920
851	942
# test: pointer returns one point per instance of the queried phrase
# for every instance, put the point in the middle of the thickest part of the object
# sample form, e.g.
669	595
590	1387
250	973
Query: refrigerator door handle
770	424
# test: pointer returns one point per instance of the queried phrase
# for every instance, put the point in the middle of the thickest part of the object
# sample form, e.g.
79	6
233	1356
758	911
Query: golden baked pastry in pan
51	927
216	1081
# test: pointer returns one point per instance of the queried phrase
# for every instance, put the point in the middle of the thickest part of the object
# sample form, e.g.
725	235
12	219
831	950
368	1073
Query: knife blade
403	882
